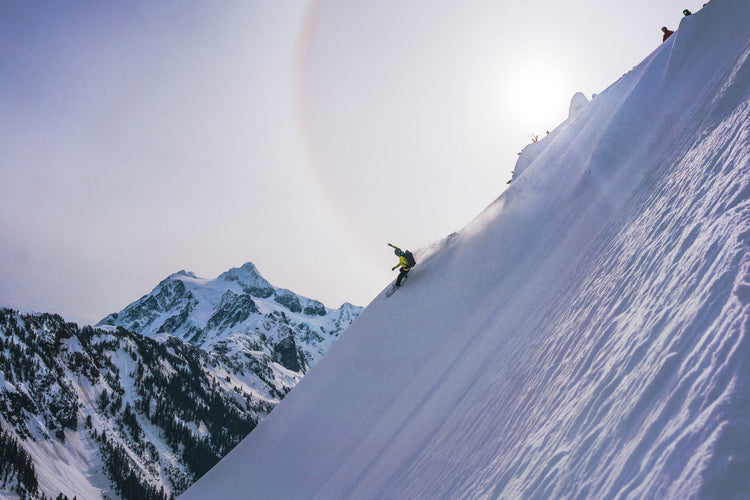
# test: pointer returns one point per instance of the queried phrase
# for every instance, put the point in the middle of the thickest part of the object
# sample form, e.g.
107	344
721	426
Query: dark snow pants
401	276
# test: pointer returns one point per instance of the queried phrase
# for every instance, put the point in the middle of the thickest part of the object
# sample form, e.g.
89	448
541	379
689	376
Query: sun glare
535	95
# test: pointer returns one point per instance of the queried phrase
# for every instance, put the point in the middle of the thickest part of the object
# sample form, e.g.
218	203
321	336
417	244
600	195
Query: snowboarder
686	12
667	33
403	263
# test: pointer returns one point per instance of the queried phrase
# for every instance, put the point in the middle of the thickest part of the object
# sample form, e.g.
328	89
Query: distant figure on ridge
405	262
686	12
667	33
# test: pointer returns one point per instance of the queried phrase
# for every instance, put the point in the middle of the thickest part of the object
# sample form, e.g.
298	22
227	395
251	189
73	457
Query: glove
394	268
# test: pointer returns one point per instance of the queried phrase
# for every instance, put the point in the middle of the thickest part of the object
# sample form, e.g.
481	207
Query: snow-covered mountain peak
187	274
251	281
239	301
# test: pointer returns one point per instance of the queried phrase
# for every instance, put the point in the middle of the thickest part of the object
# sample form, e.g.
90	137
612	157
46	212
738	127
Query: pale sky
140	138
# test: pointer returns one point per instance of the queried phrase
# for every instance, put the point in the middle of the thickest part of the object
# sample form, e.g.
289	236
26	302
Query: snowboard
393	287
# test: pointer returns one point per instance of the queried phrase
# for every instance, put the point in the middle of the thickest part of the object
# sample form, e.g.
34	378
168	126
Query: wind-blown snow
586	336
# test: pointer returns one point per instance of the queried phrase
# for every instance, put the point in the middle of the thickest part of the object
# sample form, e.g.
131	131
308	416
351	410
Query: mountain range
238	312
147	401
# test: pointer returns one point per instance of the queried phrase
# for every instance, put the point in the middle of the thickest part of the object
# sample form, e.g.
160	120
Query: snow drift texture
584	337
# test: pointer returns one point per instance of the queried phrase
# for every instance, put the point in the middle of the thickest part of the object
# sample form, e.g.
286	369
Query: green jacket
402	263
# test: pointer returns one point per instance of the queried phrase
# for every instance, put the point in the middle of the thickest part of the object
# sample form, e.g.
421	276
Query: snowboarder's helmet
664	29
397	252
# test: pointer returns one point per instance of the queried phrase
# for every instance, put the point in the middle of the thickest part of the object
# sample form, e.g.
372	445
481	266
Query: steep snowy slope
584	337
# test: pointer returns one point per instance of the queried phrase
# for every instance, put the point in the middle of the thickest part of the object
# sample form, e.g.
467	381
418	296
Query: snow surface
578	102
586	336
